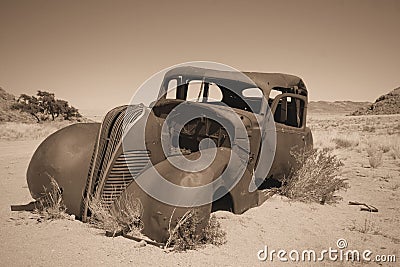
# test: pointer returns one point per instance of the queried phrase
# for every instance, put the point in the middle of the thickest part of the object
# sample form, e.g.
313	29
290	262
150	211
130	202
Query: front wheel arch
224	203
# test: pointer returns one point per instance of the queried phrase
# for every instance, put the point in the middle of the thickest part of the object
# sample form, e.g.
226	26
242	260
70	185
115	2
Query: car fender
159	217
65	156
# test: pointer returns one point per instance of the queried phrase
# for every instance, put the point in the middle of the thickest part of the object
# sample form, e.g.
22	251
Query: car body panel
108	161
65	156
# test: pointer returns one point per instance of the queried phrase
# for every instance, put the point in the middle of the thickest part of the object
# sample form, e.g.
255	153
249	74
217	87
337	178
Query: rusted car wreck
97	160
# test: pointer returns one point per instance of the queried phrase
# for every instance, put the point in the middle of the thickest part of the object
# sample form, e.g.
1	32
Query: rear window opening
290	111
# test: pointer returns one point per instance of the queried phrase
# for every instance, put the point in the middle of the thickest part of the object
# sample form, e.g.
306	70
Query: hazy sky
97	53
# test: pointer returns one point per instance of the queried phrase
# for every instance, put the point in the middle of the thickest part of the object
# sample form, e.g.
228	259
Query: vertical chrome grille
111	131
126	168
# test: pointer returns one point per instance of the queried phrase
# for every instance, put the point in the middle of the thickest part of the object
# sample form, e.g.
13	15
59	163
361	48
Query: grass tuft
367	227
124	215
316	180
395	153
370	129
13	131
375	160
51	206
344	142
375	155
187	233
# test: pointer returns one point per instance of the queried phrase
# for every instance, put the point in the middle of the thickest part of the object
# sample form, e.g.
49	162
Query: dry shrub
371	150
385	144
395	151
375	155
187	235
213	233
29	131
51	206
367	128
384	148
123	216
316	180
376	160
367	227
333	139
342	142
323	139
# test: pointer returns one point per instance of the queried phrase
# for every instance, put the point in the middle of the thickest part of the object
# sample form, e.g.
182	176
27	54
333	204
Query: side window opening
214	93
252	93
289	111
204	91
253	98
195	91
272	95
172	85
201	91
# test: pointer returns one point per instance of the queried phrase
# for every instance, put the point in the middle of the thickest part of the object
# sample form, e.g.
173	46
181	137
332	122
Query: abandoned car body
106	161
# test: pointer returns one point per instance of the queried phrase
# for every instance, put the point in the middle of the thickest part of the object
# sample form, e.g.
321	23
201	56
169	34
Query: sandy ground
278	223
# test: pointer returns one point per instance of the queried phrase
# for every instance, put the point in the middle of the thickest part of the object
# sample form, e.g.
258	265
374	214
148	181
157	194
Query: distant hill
385	104
7	114
337	107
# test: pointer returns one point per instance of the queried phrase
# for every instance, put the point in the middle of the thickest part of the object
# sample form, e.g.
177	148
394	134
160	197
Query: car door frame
287	138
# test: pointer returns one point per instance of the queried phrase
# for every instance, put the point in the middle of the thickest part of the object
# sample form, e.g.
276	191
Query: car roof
265	81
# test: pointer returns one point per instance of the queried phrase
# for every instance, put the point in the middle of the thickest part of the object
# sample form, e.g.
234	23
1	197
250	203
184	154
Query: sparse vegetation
370	129
17	116
384	148
379	187
342	142
213	233
50	206
376	160
44	106
317	180
123	216
367	227
383	144
23	131
186	235
334	139
375	155
395	153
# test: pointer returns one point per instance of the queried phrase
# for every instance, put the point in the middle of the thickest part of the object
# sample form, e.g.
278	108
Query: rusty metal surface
157	218
265	81
65	156
99	164
120	175
105	152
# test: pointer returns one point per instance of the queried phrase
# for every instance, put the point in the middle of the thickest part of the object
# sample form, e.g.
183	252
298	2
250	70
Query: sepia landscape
72	73
367	145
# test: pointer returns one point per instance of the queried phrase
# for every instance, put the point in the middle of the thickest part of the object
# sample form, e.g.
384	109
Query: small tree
45	105
61	107
48	102
28	104
71	112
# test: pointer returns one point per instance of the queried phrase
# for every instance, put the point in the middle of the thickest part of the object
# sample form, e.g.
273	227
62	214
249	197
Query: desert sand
279	223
